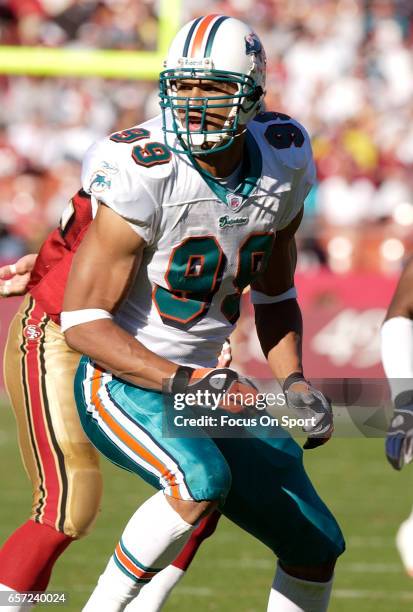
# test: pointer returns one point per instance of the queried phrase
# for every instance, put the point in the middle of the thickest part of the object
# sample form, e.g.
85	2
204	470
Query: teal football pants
259	481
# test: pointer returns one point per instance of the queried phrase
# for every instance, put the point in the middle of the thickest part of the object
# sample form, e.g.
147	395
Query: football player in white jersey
397	358
195	205
72	498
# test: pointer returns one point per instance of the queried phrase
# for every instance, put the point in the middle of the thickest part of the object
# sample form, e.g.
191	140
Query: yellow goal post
111	64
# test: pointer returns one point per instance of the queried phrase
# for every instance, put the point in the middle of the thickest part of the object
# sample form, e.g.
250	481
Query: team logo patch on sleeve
100	182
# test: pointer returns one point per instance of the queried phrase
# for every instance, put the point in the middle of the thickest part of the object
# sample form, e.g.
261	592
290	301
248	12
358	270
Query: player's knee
333	544
84	502
221	484
192	511
212	480
318	552
82	493
330	545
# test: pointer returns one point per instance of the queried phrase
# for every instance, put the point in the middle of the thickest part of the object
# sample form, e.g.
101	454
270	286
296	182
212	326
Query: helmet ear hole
252	100
256	94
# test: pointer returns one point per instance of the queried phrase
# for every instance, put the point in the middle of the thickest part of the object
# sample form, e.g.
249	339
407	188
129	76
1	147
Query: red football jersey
49	275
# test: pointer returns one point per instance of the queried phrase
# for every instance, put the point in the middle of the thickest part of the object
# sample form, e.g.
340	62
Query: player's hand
310	404
399	439
215	387
14	278
225	356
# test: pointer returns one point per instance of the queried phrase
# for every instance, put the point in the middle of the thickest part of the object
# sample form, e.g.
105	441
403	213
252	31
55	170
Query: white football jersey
204	243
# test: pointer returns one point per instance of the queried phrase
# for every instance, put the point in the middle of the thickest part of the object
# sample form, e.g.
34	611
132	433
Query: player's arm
277	314
402	301
279	327
397	358
397	332
279	322
102	271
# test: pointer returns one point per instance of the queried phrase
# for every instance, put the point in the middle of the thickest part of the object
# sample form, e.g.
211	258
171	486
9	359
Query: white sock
289	594
404	543
12	608
151	540
154	594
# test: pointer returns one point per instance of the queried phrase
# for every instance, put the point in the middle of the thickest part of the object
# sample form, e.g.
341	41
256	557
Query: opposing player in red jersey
59	460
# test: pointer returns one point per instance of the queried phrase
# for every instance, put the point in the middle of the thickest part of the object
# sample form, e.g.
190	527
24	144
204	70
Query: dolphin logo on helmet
252	44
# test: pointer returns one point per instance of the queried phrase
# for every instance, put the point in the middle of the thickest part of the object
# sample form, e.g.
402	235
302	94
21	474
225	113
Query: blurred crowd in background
344	68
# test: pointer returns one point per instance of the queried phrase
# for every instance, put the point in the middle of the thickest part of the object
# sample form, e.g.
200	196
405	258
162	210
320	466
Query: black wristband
403	400
291	379
179	381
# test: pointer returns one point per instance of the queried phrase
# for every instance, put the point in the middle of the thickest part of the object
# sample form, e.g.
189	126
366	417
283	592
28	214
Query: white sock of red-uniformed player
153	595
151	540
289	594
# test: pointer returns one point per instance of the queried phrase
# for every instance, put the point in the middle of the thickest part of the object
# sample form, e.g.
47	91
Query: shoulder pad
285	137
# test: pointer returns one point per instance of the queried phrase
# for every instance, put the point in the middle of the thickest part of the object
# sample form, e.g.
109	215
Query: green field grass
232	572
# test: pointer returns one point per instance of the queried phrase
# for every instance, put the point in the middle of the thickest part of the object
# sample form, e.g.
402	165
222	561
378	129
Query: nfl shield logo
234	201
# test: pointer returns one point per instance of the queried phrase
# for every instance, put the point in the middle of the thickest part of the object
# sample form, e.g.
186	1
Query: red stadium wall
342	315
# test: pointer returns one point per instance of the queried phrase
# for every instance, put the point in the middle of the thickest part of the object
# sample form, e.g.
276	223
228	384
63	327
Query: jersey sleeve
108	177
300	161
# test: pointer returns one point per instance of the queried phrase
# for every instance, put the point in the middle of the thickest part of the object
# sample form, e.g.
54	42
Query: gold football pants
61	463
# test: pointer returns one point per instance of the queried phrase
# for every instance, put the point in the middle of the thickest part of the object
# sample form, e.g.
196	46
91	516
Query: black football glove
399	439
312	405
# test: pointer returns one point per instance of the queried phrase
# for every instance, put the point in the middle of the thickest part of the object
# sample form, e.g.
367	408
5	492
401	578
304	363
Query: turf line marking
198	591
369	594
245	562
183	590
370	542
371	568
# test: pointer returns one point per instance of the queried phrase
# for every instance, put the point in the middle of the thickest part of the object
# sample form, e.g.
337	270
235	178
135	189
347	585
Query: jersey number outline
194	275
152	154
253	257
281	135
